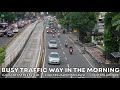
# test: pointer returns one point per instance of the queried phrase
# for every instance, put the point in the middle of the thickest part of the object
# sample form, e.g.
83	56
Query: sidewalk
90	49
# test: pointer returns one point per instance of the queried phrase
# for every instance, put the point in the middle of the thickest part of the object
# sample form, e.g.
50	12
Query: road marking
88	61
65	58
63	52
44	55
61	48
82	54
59	41
68	65
60	44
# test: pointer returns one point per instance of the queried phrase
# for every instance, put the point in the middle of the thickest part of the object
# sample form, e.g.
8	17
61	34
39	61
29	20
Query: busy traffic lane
5	38
77	60
63	63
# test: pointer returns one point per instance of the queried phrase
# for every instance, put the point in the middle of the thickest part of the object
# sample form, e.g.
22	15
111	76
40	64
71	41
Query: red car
49	31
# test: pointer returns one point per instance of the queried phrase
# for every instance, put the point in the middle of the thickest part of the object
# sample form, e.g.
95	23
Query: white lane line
82	54
88	61
44	54
63	52
65	58
68	65
59	41
61	48
60	44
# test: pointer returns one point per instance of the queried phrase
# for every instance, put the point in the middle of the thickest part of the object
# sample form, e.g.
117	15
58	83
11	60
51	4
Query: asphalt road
74	62
29	56
5	38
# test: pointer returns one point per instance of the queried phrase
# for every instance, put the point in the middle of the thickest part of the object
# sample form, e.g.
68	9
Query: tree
116	24
83	21
110	35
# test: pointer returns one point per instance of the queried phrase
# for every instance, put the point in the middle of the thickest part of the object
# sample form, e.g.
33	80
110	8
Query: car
52	44
15	30
10	33
47	27
1	34
54	58
3	27
49	31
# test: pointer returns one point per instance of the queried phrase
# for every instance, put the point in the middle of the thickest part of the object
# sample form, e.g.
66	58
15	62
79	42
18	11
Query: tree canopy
110	34
82	21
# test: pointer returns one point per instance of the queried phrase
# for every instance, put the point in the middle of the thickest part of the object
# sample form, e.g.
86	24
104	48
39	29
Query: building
99	28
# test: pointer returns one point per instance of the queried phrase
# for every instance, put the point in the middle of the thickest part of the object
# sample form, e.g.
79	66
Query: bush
2	57
2	54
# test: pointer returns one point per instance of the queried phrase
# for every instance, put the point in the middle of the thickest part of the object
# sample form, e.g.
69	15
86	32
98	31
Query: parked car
10	33
54	58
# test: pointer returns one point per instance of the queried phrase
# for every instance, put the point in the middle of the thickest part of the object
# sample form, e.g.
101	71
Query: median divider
41	56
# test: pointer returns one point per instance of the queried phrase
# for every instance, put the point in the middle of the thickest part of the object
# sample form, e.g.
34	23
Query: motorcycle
66	45
58	35
53	35
71	51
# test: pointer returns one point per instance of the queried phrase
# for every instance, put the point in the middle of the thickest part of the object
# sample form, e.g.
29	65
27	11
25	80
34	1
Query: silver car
54	58
52	44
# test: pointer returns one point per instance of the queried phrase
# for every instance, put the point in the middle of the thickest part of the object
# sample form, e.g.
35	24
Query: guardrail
10	58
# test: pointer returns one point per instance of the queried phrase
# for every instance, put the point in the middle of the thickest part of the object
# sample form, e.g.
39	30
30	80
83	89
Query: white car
52	44
54	58
15	30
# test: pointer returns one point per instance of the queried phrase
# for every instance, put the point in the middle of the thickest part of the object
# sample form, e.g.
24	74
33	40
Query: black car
10	33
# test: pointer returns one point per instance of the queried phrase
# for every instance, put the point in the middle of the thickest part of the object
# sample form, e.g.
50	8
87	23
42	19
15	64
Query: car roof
53	40
54	53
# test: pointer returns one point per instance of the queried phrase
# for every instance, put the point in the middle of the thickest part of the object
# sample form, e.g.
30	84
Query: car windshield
9	31
54	55
52	42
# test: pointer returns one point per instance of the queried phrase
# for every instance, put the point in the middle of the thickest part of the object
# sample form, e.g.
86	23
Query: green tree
110	35
116	24
83	21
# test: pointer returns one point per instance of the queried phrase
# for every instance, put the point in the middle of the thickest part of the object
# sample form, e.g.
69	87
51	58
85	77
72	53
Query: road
5	38
74	62
30	54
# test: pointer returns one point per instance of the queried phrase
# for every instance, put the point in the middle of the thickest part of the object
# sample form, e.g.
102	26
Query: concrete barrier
17	44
